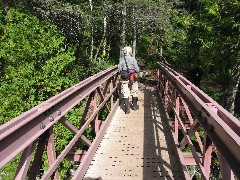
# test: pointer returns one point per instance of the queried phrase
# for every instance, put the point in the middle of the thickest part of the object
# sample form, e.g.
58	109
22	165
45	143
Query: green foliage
209	39
207	36
89	133
103	112
8	172
35	64
34	67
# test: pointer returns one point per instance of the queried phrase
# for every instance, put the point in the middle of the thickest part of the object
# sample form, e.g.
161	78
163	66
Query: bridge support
25	161
226	172
205	115
207	154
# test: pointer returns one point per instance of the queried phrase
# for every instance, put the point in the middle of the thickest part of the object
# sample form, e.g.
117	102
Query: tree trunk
123	34
237	102
134	40
104	35
134	34
231	91
103	42
92	41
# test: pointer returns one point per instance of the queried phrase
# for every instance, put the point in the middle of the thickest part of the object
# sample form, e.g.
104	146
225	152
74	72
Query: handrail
192	109
21	133
221	127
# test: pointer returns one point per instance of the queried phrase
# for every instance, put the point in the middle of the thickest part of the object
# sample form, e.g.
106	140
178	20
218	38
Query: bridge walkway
138	145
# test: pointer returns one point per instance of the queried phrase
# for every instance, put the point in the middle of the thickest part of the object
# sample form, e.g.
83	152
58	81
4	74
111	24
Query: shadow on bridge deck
138	145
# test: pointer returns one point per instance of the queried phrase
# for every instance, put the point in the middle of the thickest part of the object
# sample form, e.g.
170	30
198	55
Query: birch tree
123	28
92	40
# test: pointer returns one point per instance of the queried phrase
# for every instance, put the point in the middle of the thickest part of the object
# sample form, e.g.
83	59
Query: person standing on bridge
128	68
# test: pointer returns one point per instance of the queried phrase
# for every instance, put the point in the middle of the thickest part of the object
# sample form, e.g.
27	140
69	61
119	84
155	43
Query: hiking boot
134	101
126	106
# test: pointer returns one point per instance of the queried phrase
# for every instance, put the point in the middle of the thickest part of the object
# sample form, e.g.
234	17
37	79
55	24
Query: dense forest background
47	46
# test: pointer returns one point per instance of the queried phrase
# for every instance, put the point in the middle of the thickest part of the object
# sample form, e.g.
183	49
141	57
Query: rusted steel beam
79	174
111	89
51	152
76	156
178	151
221	126
86	110
187	125
194	127
207	154
102	98
74	130
51	169
226	171
106	86
177	106
200	144
96	121
25	162
36	164
193	150
20	132
189	159
187	138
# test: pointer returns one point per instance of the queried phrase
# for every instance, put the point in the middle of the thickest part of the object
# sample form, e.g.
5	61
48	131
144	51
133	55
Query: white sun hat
127	50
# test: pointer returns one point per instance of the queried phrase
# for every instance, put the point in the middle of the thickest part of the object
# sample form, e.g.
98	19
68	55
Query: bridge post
51	152
86	110
158	80
111	89
25	162
176	125
221	126
226	172
207	154
96	121
36	165
166	100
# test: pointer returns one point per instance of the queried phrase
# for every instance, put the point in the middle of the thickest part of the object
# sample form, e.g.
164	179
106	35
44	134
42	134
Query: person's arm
120	65
136	67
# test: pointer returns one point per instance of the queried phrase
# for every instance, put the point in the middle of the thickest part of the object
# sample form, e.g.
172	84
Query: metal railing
32	133
193	112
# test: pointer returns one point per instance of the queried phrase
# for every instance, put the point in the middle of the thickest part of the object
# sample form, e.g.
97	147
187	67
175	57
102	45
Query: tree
208	41
35	64
222	44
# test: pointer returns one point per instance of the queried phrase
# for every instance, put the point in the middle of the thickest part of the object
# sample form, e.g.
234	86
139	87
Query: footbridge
177	128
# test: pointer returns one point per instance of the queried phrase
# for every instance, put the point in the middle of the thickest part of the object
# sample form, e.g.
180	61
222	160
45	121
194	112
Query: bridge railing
31	134
200	125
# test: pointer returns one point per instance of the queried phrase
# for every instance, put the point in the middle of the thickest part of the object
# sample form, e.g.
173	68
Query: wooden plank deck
137	145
